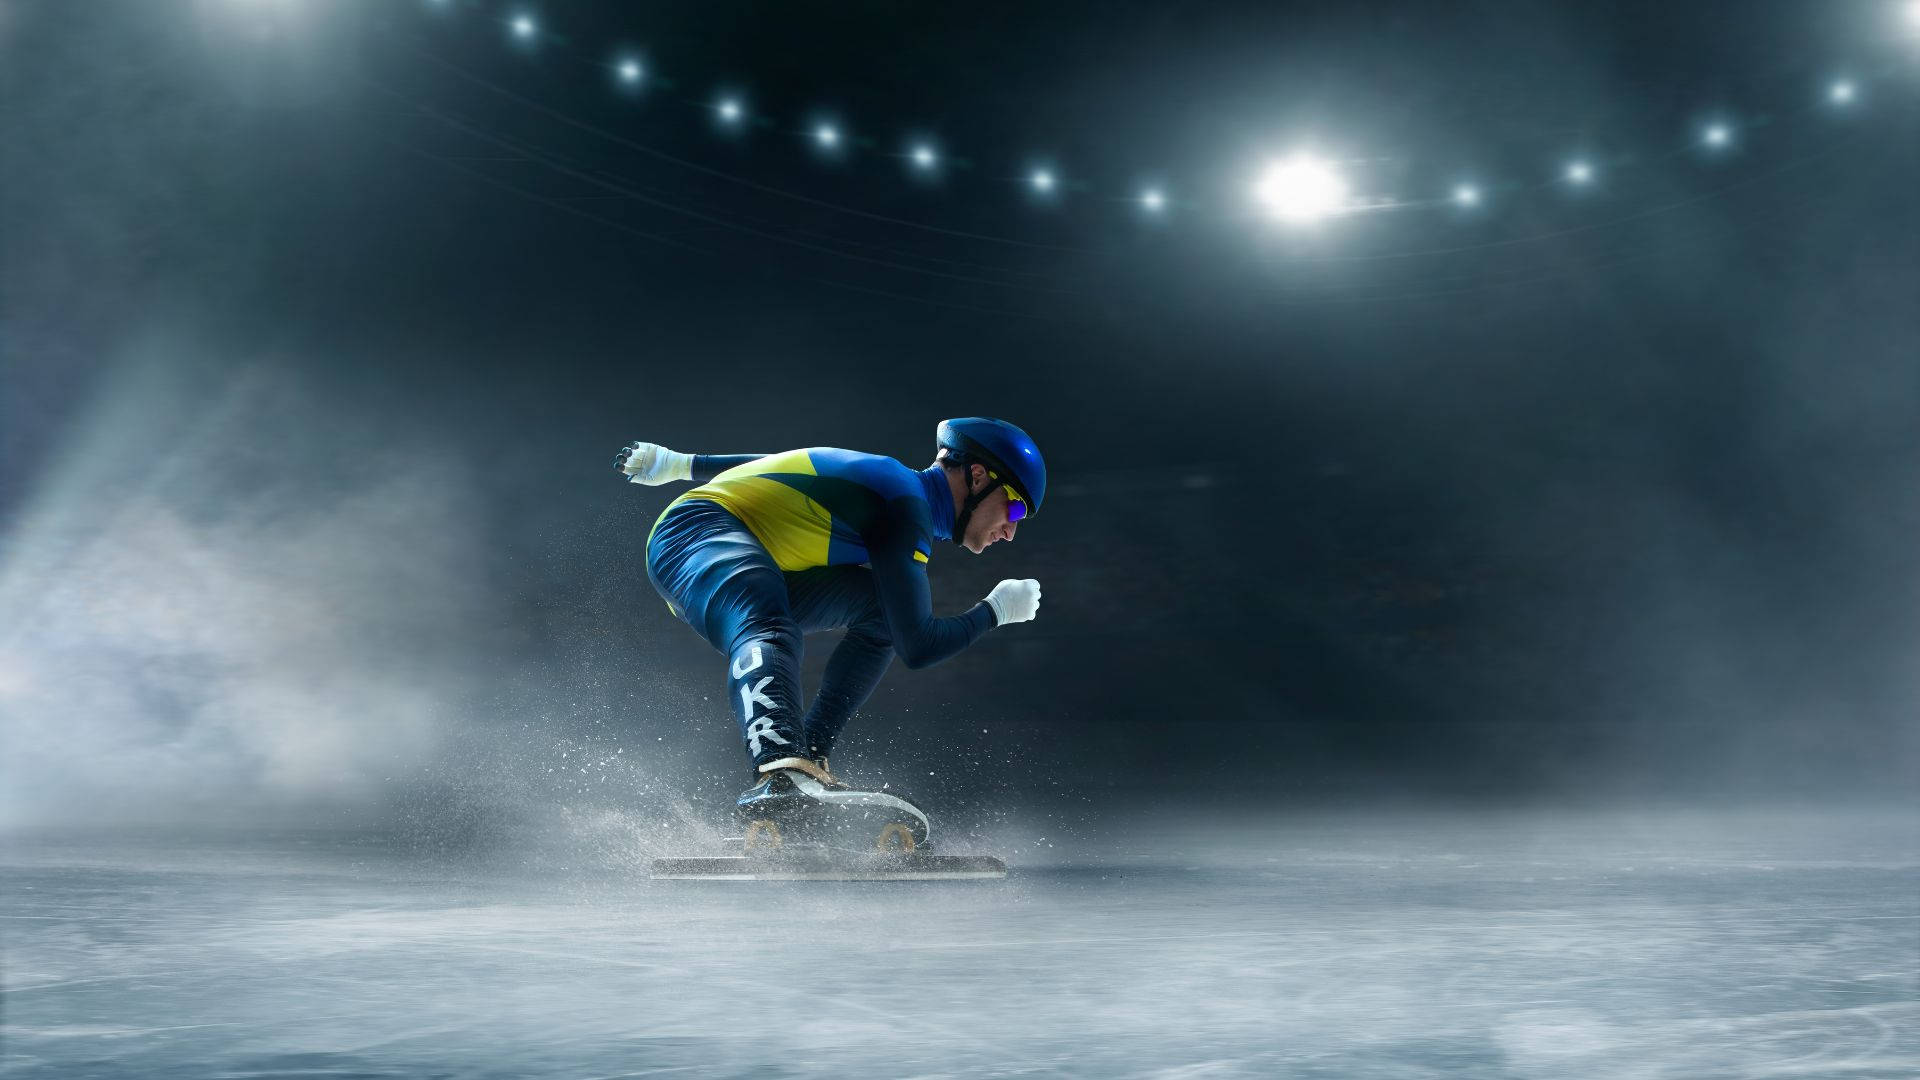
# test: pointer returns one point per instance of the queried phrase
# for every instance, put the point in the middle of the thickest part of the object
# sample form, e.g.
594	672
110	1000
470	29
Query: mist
1478	634
305	475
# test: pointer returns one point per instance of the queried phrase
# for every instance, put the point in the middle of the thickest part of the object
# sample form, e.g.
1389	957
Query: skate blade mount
771	857
797	864
765	836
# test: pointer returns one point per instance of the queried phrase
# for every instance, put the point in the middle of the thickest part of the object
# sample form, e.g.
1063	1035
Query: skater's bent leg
831	597
763	647
853	671
715	575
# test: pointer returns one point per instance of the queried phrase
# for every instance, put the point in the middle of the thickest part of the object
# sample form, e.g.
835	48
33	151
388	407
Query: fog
322	325
1475	642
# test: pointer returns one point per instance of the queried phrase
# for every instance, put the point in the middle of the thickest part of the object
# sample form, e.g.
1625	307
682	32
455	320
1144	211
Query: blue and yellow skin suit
769	548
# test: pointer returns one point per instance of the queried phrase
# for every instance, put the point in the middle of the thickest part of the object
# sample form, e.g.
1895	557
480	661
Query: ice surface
1479	946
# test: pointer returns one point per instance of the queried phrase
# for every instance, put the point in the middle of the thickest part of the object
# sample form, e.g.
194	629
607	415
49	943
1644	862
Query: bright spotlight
1913	15
924	158
1717	135
729	110
1466	195
1842	92
630	72
524	27
1580	172
1042	181
1152	200
1302	189
827	136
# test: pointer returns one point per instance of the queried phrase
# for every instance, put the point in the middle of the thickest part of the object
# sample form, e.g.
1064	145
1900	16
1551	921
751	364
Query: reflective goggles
1016	506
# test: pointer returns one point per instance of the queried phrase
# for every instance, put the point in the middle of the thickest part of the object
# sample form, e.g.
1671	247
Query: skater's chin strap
972	502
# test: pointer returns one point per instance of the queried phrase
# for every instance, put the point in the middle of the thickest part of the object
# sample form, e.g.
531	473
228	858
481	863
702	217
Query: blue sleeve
920	637
708	466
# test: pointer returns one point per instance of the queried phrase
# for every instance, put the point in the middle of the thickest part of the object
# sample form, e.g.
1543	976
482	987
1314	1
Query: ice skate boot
798	802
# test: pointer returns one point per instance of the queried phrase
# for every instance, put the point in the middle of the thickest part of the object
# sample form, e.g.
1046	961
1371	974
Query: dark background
323	324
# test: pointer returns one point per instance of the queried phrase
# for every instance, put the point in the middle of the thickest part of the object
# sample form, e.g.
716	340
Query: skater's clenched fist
1014	600
653	464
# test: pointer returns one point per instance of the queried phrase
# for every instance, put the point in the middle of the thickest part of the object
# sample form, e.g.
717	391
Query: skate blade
831	866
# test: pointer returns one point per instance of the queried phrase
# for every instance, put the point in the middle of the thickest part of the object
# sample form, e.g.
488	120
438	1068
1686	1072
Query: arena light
1301	189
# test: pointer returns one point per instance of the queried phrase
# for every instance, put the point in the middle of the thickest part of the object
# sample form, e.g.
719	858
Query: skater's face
990	523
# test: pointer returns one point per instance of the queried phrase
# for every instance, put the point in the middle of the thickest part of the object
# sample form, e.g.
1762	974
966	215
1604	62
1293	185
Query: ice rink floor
1776	944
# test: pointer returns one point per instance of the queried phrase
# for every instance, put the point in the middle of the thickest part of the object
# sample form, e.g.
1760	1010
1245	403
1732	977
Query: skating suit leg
715	575
827	598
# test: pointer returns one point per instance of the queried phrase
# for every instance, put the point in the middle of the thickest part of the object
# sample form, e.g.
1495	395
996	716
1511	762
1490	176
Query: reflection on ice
1516	946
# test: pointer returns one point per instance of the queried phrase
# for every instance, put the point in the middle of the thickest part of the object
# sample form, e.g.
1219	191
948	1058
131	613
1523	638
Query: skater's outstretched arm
653	464
708	466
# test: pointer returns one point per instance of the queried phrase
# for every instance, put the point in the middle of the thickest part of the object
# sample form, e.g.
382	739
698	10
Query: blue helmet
1003	449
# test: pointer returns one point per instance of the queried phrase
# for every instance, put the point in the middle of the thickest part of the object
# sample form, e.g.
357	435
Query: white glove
1014	601
653	464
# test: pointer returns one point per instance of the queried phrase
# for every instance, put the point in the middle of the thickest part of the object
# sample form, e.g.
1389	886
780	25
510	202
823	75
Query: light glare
1300	190
826	135
1042	180
1841	92
1153	200
1579	172
729	110
1466	195
523	26
1717	135
630	71
924	157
